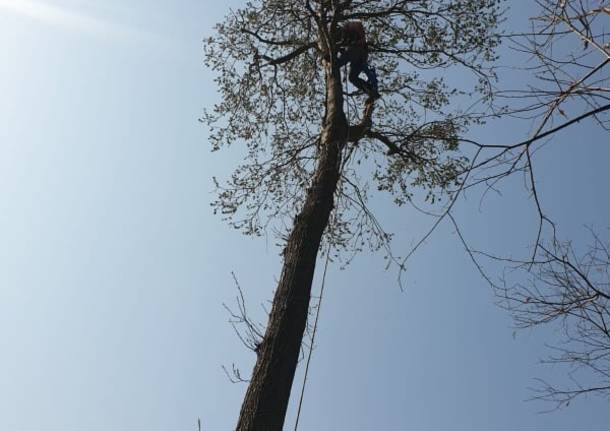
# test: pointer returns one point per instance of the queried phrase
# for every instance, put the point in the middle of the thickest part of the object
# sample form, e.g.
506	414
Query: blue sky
113	270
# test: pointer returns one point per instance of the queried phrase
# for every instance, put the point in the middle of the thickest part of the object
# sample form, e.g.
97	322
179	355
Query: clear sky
113	270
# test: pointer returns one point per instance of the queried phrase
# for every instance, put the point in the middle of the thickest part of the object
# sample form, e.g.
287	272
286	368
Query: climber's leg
371	75
367	87
354	71
345	56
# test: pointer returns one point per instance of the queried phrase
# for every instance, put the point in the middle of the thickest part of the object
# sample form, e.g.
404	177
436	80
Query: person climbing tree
355	52
282	103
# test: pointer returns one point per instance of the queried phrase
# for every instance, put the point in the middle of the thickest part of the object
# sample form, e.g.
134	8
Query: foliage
269	57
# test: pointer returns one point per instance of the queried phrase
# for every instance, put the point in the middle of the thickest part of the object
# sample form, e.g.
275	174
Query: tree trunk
264	406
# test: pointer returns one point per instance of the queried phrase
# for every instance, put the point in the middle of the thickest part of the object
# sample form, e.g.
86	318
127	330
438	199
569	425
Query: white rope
315	324
313	337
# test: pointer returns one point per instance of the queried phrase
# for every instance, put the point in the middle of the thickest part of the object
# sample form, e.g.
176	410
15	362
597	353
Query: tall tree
310	163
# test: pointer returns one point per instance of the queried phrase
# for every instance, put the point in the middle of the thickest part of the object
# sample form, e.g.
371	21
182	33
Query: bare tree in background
574	291
309	167
568	51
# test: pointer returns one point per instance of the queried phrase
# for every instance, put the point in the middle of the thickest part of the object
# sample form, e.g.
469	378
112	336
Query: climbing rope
313	337
315	324
345	80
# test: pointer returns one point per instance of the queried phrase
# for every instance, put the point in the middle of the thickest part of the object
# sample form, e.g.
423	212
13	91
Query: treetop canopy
270	58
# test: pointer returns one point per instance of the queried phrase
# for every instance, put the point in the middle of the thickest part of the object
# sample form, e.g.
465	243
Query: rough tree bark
264	406
276	66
